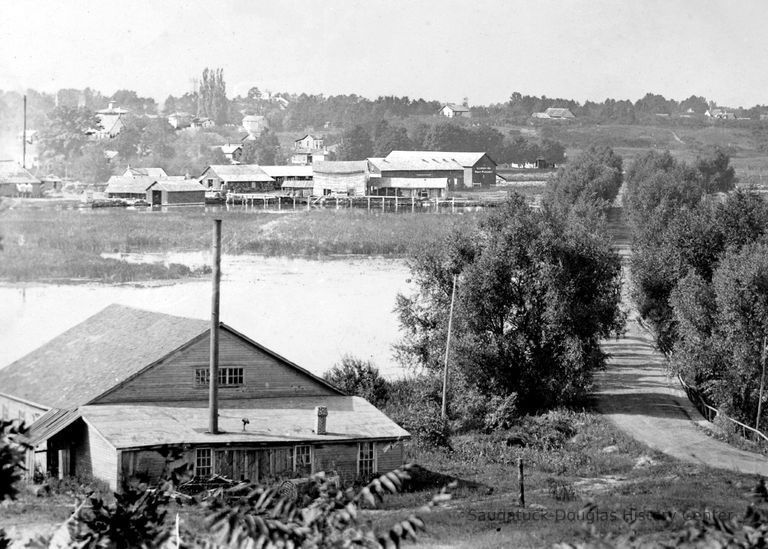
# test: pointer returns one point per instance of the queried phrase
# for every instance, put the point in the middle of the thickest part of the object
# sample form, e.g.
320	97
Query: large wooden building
412	177
129	187
347	178
479	169
126	392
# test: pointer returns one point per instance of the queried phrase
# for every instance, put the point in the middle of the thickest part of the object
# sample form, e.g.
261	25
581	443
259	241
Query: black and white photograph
386	273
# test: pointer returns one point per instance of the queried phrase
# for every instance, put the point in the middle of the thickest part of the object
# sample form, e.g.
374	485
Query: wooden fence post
521	481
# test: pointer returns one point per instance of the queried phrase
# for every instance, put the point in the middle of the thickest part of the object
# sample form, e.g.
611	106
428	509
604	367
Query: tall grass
66	244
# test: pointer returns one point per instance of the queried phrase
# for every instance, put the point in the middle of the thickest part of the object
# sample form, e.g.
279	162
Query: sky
443	50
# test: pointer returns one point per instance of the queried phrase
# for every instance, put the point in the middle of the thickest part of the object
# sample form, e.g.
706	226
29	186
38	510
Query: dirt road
638	396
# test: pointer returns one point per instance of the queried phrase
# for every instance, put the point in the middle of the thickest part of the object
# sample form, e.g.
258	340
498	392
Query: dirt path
638	396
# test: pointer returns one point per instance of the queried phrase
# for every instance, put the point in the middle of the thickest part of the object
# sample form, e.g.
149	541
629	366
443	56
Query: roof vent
321	413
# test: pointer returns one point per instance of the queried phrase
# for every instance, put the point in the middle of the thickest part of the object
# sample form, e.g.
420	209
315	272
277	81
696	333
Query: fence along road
636	393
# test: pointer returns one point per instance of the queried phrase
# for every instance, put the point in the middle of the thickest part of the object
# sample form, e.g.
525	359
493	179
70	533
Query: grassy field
49	244
580	459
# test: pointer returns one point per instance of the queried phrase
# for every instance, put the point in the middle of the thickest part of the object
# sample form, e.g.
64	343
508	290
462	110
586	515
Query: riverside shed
187	192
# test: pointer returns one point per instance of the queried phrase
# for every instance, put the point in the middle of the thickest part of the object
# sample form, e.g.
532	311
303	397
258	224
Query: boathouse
238	178
126	393
169	192
129	187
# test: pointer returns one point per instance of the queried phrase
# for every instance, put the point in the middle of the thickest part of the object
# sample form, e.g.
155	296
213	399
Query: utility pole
213	374
24	137
447	348
762	385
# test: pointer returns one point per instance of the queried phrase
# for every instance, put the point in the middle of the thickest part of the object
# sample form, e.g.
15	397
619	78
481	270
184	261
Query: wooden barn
168	192
238	178
479	169
348	178
127	393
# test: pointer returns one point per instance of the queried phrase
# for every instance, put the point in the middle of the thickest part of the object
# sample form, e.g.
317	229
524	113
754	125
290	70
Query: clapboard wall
265	376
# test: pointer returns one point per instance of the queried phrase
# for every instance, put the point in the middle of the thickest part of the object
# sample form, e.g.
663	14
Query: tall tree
212	98
536	294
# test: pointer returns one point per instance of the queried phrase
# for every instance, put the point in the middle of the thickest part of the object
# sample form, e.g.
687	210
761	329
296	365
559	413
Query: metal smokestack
213	374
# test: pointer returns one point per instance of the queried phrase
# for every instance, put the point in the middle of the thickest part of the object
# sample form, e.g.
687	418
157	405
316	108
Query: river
311	312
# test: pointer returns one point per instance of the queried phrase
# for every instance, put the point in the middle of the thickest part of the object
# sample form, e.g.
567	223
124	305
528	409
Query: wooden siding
90	456
174	379
103	458
341	458
389	456
484	172
11	408
264	464
351	183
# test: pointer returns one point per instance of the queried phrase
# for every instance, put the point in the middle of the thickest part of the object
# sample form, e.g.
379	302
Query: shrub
360	378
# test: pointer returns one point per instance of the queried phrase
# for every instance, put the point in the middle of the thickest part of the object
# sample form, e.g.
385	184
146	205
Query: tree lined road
636	393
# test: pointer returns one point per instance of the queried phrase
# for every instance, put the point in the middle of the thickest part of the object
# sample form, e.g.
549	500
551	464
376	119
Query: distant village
422	175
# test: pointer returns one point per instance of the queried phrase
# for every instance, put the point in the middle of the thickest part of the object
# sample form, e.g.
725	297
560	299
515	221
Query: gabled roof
339	166
271	420
229	148
12	172
105	350
417	163
463	159
456	108
97	354
147	172
238	172
172	185
120	184
308	135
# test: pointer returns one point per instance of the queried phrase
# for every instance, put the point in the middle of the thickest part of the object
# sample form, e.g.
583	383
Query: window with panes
203	462
228	377
366	458
303	459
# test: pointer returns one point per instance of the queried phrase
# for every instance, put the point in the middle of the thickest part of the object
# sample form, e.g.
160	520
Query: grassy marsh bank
48	244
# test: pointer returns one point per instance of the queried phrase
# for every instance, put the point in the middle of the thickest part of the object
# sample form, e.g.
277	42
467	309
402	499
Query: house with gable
452	110
126	393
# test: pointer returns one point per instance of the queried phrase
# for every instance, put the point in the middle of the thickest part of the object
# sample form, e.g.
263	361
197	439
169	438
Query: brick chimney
321	412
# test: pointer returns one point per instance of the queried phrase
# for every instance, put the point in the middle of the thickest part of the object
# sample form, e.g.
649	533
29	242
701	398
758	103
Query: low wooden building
240	178
347	178
170	192
17	181
127	393
452	110
129	187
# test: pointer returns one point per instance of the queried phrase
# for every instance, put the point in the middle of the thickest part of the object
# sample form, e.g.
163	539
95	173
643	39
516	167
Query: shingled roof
96	355
238	172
